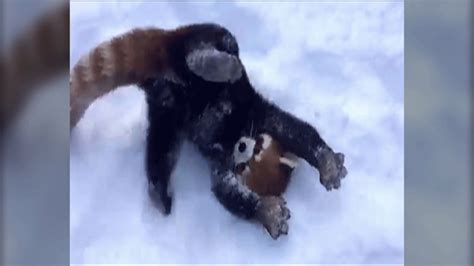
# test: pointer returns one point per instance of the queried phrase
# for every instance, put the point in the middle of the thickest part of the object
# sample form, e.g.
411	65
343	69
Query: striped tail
126	59
141	54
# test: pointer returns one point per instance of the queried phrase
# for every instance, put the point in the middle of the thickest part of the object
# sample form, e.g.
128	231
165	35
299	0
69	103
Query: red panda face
262	165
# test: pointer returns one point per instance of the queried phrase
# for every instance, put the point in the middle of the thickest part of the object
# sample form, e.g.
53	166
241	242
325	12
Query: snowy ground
338	66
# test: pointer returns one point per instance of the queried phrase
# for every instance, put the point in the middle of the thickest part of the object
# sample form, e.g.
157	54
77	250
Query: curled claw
274	214
213	65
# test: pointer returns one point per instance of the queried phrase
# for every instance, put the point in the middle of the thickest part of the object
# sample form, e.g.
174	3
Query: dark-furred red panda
197	89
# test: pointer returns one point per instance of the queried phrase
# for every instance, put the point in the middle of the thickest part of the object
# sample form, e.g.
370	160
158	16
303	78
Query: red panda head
263	165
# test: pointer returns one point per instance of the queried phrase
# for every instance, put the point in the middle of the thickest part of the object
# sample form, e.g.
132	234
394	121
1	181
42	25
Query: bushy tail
126	59
142	54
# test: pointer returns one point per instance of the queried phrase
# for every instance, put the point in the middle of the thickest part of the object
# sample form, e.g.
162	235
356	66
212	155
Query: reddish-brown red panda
197	89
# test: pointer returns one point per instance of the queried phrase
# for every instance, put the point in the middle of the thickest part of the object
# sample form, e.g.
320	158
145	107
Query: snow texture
338	66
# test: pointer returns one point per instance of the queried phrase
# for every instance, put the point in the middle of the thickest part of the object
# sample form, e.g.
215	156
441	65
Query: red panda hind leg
166	117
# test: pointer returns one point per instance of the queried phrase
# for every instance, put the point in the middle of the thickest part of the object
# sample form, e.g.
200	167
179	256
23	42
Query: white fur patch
286	161
267	140
246	155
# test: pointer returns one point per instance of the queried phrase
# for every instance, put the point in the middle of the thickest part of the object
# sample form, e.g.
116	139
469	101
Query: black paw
160	199
213	65
274	214
331	169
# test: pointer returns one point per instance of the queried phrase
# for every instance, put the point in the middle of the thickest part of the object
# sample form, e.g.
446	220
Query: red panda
263	165
143	54
187	73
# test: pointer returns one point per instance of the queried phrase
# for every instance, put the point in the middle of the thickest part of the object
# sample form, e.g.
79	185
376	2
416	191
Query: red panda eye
242	147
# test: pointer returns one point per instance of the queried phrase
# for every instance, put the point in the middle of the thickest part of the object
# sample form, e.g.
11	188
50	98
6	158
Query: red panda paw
215	66
274	214
331	169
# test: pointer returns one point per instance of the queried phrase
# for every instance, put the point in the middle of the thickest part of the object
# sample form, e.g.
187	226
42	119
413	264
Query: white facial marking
267	140
288	162
246	155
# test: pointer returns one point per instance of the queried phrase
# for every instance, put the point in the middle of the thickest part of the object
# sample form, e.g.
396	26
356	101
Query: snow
338	66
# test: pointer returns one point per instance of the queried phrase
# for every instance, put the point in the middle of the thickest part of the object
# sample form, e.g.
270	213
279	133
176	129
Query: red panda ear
213	65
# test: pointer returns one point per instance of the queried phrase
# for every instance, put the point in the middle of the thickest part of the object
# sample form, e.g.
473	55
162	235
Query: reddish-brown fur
266	174
128	59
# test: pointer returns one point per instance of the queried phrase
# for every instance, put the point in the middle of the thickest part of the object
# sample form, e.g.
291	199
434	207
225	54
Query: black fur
166	110
199	36
214	116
